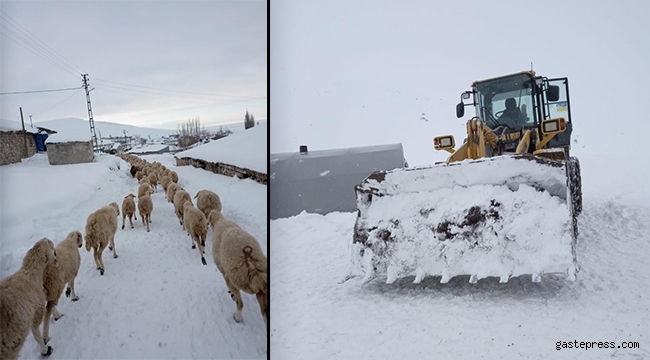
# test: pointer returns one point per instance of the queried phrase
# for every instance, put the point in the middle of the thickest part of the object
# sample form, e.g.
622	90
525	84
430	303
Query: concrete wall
12	146
224	169
70	153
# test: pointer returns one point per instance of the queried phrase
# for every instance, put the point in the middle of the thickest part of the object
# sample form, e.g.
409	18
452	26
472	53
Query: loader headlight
551	126
444	142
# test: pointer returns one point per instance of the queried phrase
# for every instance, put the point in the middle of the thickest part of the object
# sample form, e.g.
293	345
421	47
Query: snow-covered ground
156	300
246	149
316	315
147	148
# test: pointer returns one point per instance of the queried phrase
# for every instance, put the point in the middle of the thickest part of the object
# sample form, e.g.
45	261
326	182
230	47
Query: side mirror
460	110
553	93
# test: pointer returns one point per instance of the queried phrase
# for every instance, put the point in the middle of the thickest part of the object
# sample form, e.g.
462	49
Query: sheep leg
113	246
240	304
148	221
261	299
45	350
36	331
69	292
135	216
201	250
123	217
98	258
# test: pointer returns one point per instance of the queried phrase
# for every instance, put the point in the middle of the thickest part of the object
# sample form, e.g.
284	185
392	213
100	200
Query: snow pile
483	218
247	149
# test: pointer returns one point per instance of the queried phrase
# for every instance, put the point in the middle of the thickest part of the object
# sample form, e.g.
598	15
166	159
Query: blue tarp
40	141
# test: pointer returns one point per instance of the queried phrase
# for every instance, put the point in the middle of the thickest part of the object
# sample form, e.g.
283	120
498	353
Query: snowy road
156	300
314	316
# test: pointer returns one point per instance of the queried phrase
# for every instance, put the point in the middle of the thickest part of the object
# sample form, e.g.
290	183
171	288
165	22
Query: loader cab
521	101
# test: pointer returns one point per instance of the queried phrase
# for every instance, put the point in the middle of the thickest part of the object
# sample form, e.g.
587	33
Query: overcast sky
216	48
354	73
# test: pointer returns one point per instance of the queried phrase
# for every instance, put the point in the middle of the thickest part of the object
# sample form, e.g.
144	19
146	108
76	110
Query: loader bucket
504	216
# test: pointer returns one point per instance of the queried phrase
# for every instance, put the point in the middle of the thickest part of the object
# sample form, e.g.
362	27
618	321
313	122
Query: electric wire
180	91
38	91
58	55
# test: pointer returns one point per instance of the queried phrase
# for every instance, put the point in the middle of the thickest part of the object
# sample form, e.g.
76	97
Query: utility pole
90	110
24	132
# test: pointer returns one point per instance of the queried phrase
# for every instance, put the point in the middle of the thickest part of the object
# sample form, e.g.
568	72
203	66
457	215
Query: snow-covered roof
245	149
10	125
71	131
148	149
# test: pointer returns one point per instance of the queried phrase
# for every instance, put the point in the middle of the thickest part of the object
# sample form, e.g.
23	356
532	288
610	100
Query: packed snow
156	300
608	301
8	125
246	149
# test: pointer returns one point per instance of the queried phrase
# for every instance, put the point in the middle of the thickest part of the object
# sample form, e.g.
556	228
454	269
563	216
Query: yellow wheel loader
504	204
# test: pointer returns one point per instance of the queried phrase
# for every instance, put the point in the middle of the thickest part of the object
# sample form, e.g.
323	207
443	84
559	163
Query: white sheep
56	276
164	181
128	209
174	176
197	227
145	206
144	188
180	197
100	232
153	180
207	201
22	301
171	191
240	260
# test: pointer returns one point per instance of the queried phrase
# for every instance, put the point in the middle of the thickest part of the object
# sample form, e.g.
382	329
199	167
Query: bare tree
190	132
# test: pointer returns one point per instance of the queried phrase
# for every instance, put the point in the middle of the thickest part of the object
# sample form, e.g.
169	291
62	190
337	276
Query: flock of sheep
29	296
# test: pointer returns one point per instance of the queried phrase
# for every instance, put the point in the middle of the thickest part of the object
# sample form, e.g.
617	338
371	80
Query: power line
55	105
38	91
182	98
35	53
2	13
186	92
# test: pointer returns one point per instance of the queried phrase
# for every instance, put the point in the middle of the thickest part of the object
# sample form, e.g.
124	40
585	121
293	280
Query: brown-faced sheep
22	301
171	191
56	276
153	180
207	201
128	209
145	206
139	175
174	176
240	260
100	232
134	170
197	227
144	189
180	197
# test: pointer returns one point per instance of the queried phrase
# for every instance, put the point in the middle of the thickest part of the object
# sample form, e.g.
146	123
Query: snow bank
247	149
9	125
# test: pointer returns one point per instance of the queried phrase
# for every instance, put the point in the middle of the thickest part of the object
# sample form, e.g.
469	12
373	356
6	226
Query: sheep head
214	216
79	239
43	252
116	207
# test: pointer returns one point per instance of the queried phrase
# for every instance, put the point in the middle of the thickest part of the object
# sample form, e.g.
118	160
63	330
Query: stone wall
224	169
74	152
12	146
